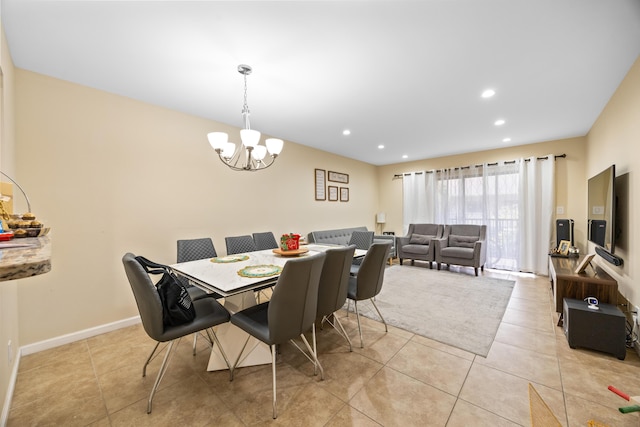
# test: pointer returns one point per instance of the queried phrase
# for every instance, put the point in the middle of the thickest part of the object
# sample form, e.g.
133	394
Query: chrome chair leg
315	356
273	373
161	372
380	314
355	304
239	356
149	359
315	348
210	332
341	331
309	353
195	342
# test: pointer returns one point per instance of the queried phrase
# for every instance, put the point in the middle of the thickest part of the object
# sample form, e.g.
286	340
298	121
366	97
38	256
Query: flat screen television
601	203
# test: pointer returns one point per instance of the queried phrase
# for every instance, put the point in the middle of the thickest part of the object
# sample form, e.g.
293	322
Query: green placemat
260	271
230	258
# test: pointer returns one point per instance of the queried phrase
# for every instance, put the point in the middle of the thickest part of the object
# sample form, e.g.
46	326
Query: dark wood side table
593	282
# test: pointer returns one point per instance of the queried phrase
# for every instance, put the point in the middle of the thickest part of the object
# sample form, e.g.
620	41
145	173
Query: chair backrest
362	239
193	249
146	295
467	230
265	240
240	244
434	230
334	280
293	303
371	272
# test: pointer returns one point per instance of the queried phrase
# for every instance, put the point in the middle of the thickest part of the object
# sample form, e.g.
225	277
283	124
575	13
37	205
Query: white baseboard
9	396
77	336
52	343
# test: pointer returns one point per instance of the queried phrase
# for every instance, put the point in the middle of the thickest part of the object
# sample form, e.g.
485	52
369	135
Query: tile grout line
95	375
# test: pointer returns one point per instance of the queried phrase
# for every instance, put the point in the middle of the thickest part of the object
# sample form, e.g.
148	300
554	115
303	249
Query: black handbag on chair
177	307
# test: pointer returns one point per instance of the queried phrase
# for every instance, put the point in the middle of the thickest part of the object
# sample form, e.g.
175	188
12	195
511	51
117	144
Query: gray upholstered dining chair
191	250
209	313
368	283
240	244
334	283
362	240
265	240
289	313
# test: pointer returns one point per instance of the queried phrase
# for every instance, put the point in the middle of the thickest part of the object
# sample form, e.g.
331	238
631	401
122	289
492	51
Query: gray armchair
417	244
462	244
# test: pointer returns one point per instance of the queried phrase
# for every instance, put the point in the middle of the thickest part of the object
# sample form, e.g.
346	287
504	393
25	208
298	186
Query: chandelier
248	156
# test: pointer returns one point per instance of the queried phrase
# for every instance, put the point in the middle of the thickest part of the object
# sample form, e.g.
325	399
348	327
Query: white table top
223	278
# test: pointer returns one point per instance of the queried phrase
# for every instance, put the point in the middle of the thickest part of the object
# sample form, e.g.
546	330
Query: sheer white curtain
513	199
418	199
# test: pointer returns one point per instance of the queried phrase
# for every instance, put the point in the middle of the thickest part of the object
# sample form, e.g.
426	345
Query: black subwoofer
564	231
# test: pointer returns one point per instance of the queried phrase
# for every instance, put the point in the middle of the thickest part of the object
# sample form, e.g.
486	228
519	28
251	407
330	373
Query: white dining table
221	275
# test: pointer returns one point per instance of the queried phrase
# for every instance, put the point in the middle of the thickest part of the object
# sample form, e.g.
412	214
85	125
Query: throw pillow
420	239
462	241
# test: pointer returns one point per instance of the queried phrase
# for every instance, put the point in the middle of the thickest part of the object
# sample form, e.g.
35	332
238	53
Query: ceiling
404	74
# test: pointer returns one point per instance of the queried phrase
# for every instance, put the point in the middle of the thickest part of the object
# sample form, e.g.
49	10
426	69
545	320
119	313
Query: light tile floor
397	379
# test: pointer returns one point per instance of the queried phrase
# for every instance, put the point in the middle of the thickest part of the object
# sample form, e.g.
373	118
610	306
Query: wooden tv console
593	282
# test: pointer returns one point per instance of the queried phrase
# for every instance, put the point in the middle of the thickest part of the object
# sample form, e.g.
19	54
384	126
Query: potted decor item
290	242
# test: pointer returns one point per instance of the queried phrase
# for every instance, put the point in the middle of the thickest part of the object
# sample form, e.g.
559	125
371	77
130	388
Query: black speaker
615	260
564	231
597	231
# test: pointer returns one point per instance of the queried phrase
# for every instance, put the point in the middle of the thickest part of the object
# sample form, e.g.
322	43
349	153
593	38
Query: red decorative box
290	242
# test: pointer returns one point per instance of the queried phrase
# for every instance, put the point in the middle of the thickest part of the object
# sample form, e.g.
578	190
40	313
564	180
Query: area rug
453	308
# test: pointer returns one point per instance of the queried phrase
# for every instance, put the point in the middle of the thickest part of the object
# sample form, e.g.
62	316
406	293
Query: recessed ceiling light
499	122
506	140
488	93
346	132
404	156
380	146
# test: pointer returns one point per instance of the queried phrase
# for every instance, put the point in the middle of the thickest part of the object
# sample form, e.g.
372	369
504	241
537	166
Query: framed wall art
320	184
333	193
342	178
344	194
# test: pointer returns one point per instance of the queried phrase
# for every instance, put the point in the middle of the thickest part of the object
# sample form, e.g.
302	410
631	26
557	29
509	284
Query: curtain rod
400	175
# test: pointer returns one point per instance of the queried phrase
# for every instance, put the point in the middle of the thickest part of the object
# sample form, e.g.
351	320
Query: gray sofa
342	236
417	244
462	244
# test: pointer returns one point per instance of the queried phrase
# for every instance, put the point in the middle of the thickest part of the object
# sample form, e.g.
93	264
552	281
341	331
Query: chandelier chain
245	107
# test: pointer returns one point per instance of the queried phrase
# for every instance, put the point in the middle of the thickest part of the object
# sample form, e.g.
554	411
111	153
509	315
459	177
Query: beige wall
111	175
614	139
8	290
